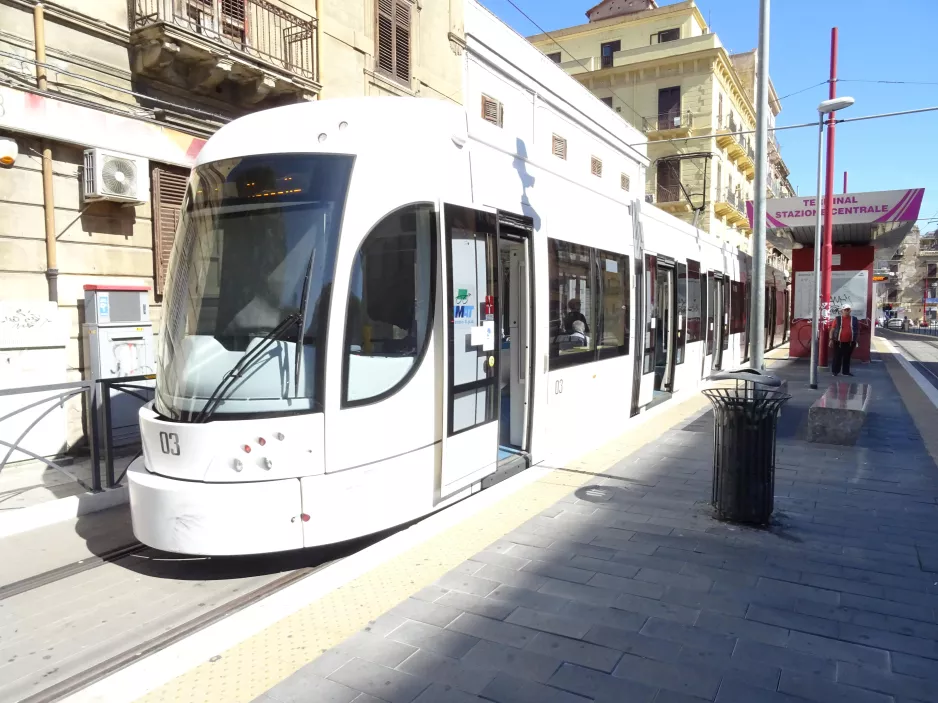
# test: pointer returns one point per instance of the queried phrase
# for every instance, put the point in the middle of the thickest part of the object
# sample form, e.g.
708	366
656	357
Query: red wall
851	259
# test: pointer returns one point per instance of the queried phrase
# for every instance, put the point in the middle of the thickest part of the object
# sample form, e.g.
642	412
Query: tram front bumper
192	517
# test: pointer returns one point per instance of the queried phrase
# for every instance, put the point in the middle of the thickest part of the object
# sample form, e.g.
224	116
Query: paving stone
757	674
706	601
742	628
655	608
865	618
753	653
672	697
888	640
576	591
446	643
635	643
492	630
466	584
601	615
548	622
627	585
430	593
838	650
374	648
443	693
508	689
486	607
604	566
797	590
885	682
379	681
887	607
599	686
702	682
431	613
447	671
573	651
793	621
819	689
510	595
689	635
665	578
558	571
510	577
735	691
300	688
493	657
914	666
384	624
506	561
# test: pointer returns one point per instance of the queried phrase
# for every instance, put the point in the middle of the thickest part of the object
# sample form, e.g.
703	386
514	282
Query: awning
881	218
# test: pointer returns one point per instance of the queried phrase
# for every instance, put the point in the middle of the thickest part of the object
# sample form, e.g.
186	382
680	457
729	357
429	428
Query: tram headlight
238	465
268	463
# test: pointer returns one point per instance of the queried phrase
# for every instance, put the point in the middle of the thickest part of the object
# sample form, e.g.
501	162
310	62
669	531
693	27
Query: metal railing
98	404
668	120
733	198
273	32
668	194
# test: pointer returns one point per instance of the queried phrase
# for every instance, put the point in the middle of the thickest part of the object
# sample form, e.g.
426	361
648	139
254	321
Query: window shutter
560	147
492	111
169	190
394	38
386	35
402	41
596	167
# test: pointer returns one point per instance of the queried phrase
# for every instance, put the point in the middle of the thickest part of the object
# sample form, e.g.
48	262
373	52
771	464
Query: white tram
375	306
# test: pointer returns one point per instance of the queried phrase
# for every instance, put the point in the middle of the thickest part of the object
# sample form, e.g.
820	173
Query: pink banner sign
849	209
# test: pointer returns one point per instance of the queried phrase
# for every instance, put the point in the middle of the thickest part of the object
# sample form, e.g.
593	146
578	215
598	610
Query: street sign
880	279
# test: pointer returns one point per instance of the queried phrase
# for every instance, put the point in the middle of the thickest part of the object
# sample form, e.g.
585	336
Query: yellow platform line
258	663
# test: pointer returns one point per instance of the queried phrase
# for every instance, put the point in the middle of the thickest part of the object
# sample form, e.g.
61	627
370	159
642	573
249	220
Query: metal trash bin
745	415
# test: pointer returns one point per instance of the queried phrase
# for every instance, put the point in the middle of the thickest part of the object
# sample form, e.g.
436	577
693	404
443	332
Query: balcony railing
668	121
266	30
668	194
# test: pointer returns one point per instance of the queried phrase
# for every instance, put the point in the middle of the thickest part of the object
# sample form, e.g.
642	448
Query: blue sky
892	41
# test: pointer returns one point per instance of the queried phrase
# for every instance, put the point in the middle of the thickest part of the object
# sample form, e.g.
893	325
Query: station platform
608	579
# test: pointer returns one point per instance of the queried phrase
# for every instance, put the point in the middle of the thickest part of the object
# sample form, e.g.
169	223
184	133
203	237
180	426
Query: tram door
470	347
665	307
514	341
718	340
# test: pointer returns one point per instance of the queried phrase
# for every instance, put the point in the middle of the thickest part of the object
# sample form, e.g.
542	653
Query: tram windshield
257	243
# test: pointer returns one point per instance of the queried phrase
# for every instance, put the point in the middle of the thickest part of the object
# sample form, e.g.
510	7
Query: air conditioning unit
649	197
109	175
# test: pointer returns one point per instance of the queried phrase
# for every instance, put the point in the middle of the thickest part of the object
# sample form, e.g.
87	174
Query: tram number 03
169	443
558	386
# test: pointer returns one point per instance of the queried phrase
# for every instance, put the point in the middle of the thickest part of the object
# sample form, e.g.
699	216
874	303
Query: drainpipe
318	57
48	197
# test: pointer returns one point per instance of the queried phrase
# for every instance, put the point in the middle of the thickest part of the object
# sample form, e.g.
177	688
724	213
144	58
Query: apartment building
665	72
146	82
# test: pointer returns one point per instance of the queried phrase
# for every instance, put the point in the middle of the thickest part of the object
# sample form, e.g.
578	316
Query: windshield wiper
229	379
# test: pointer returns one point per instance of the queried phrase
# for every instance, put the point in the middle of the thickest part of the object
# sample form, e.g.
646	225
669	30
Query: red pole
845	182
827	249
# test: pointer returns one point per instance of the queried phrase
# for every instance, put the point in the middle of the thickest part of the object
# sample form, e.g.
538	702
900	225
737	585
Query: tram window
737	308
696	304
612	335
572	314
390	306
681	313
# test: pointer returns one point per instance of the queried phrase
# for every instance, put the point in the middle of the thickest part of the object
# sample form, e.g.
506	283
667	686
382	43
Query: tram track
63	572
83	679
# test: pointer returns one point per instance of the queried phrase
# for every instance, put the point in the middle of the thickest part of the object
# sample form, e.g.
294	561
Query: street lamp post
823	109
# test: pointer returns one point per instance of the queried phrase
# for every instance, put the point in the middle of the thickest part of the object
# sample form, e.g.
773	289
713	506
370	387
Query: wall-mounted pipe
318	53
48	196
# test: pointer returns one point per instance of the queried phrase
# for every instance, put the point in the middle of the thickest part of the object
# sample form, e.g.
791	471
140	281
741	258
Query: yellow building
151	80
663	71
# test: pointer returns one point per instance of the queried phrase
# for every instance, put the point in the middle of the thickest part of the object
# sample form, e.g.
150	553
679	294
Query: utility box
118	343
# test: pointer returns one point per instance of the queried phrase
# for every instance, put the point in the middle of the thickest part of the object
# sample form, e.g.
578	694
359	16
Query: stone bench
837	417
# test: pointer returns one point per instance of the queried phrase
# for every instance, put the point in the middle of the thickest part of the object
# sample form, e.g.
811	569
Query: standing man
843	340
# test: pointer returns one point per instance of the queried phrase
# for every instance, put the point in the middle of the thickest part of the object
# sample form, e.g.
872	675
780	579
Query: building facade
662	70
911	279
149	81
